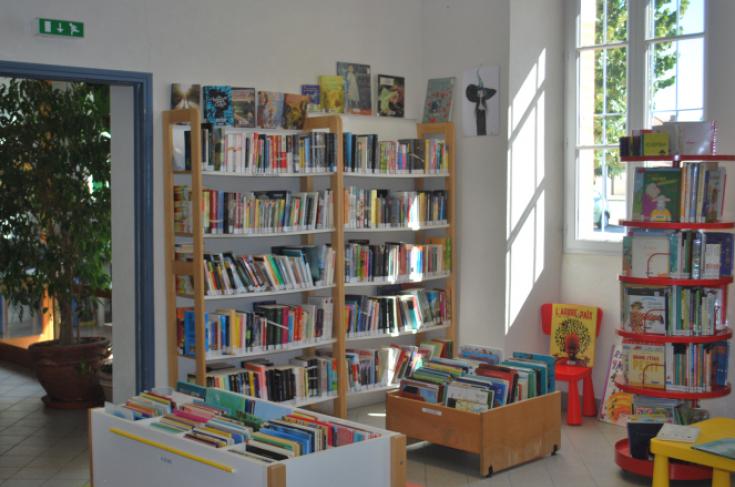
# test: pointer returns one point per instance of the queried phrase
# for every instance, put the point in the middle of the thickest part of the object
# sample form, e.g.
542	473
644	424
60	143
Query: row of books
681	254
302	378
665	410
269	326
477	385
693	193
674	310
255	212
384	367
392	261
235	152
364	154
287	267
409	310
381	208
676	367
688	138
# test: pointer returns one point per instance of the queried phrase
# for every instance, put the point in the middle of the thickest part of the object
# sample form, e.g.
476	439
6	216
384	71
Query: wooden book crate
503	437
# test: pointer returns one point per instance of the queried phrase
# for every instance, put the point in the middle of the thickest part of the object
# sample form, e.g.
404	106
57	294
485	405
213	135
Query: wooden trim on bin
398	461
277	475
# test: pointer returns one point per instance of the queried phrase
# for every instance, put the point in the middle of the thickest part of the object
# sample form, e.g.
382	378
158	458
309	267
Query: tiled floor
43	447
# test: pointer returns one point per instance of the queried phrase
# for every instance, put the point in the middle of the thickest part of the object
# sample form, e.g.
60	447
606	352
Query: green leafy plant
54	196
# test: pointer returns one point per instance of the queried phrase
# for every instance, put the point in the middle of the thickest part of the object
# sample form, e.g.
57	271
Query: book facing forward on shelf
294	111
217	101
270	109
645	364
332	93
312	91
243	107
438	103
185	96
391	95
357	87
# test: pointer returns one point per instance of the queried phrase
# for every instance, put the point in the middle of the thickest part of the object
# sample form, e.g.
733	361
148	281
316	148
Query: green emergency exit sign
61	28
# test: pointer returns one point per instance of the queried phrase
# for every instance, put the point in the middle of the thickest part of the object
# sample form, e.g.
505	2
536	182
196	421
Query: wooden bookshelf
337	238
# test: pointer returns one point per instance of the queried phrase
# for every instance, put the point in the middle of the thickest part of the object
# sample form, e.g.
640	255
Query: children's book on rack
681	367
381	208
234	213
234	151
673	310
407	311
476	385
269	327
665	410
288	267
678	254
302	378
693	193
669	138
392	262
364	154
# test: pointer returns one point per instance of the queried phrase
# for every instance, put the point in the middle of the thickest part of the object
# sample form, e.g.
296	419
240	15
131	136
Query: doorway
132	213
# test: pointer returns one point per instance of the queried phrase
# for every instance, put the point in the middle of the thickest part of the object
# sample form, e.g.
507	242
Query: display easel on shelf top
622	451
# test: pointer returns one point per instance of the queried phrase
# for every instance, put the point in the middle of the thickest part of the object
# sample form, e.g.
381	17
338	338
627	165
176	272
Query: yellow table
709	430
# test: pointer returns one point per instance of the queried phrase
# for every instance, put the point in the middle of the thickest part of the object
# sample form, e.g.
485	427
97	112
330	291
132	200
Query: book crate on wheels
674	286
503	437
125	453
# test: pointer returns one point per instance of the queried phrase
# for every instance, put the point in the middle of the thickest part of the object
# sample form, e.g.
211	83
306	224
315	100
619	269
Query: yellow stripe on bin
175	451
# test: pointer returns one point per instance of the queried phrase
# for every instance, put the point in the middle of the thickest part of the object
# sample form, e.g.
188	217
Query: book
678	432
313	92
650	253
724	447
217	102
646	310
357	89
655	143
644	364
616	406
391	95
573	334
243	107
332	93
657	194
294	111
270	110
438	103
185	96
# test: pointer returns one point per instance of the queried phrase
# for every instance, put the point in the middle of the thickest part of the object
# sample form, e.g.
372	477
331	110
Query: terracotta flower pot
68	373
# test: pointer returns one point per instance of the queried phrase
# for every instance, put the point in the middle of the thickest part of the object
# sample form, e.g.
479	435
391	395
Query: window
624	60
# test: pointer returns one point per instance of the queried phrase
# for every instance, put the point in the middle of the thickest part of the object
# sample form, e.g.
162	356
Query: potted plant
55	222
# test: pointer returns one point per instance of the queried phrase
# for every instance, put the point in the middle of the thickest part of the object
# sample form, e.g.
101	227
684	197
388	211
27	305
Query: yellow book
645	365
573	334
332	93
655	144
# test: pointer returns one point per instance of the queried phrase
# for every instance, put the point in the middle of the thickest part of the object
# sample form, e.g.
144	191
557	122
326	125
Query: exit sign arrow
60	28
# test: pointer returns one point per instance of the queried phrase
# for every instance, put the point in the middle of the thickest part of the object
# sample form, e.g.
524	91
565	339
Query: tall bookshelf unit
677	471
337	238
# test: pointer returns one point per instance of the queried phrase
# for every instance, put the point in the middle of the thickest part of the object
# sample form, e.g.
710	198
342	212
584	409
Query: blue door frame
143	191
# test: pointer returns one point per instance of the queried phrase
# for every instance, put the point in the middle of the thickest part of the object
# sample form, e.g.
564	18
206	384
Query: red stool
572	375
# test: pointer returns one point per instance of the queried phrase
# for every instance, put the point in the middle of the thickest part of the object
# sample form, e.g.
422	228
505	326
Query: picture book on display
646	310
294	111
645	364
332	93
656	194
438	103
218	105
391	95
185	96
357	89
270	110
312	91
243	107
616	406
573	334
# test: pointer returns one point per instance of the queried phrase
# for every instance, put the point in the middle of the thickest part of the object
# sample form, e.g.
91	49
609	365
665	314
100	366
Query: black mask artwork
479	95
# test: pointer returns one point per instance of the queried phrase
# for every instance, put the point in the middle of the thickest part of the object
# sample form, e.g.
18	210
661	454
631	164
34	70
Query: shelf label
60	28
431	411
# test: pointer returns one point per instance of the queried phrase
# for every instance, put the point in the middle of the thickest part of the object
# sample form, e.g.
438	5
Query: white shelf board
299	403
261	175
427	329
369	389
397	229
219	356
216	236
258	294
396	176
423	278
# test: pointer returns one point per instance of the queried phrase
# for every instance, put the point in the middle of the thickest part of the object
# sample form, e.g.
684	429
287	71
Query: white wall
269	44
592	279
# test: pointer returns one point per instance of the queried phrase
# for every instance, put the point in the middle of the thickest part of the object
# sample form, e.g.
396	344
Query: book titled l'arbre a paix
332	94
218	105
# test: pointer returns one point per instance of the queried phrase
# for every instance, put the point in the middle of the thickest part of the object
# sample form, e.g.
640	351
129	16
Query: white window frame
637	51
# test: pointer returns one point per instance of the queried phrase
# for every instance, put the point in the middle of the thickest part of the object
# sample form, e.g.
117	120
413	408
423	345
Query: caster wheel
489	473
555	449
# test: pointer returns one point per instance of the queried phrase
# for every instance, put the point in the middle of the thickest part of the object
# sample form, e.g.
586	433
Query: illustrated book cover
391	95
573	334
645	310
332	93
616	406
313	92
438	103
185	96
357	90
243	107
645	365
657	194
218	105
294	111
270	109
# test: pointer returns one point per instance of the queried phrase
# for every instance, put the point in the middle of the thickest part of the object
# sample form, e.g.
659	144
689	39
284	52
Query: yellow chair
709	430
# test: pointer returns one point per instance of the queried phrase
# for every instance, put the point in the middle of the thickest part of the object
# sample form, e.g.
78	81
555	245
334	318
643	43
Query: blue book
218	105
724	447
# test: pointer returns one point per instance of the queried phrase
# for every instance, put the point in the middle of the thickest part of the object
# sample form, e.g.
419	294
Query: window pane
676	17
603	96
676	71
691	16
602	194
664	19
603	22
